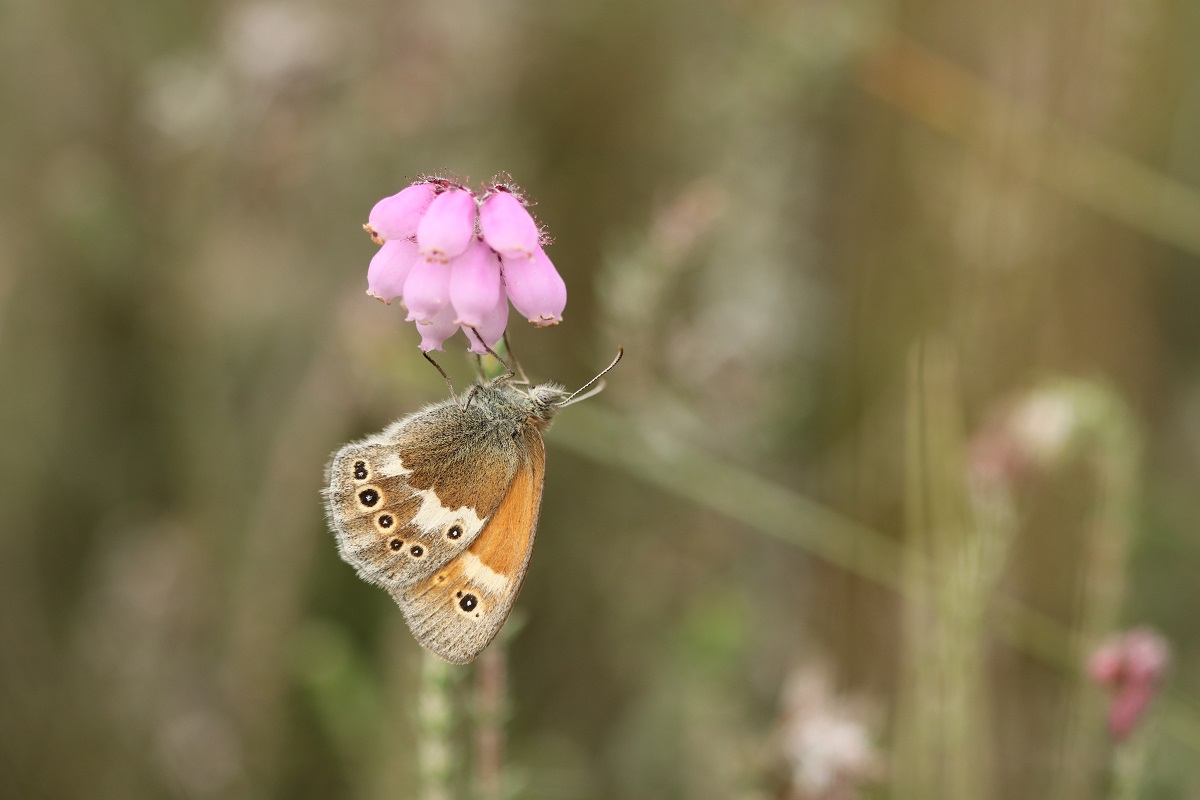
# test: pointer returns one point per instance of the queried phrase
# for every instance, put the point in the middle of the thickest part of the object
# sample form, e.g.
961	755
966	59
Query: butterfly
441	509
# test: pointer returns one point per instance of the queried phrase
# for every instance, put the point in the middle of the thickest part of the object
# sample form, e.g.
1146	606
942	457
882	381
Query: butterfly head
537	405
548	395
543	402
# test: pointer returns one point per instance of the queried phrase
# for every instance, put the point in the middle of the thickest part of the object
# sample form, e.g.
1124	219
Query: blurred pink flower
456	262
1133	665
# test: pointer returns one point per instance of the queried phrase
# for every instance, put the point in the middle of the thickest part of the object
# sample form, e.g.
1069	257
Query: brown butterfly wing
405	502
459	609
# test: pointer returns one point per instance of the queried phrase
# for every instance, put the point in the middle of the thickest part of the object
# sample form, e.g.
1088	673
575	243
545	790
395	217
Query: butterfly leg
470	397
516	361
441	371
494	355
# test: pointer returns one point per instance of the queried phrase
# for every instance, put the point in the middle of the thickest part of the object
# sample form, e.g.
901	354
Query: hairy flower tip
507	225
535	288
448	226
390	267
437	330
1133	665
475	286
427	291
398	216
490	329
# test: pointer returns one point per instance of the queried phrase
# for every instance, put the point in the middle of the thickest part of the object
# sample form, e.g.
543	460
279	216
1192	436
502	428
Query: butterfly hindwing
405	502
458	609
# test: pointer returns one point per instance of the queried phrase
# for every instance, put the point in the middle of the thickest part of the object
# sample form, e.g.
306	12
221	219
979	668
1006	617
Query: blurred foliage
906	424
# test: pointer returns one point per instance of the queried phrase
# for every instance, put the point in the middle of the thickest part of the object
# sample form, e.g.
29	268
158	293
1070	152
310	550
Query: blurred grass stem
491	711
687	471
947	98
952	565
435	724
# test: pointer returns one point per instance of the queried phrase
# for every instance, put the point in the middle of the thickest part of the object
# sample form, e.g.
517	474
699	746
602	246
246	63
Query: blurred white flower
270	43
825	738
186	100
194	98
1044	423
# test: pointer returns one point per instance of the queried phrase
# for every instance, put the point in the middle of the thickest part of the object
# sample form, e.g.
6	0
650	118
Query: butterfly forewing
458	609
405	502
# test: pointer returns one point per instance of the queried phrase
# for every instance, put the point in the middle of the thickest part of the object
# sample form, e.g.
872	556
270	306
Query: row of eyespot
369	497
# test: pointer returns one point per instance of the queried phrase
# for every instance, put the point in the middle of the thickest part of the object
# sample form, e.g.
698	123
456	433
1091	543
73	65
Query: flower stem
491	681
435	723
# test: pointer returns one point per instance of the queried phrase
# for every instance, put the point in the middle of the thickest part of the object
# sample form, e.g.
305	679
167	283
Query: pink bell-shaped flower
475	285
390	267
456	262
535	288
427	290
448	226
490	329
440	328
397	217
507	226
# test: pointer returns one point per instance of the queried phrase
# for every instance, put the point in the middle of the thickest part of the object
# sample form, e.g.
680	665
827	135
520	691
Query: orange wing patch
458	610
515	522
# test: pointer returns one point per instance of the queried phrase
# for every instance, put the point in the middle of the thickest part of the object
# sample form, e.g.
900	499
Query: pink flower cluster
456	260
1133	665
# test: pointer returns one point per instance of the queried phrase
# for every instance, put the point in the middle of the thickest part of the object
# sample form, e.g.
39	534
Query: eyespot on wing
460	608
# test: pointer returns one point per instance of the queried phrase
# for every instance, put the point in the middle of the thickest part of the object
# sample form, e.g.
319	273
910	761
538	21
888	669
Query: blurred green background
909	419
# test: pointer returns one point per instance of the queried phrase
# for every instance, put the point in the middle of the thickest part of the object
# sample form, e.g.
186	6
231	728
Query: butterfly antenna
576	397
516	361
511	372
441	371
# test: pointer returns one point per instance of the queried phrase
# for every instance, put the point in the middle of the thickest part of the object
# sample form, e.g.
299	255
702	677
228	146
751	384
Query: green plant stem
491	680
435	722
